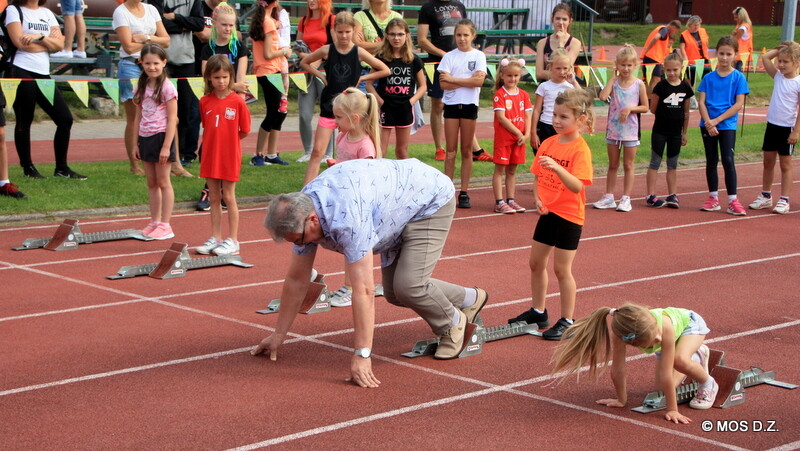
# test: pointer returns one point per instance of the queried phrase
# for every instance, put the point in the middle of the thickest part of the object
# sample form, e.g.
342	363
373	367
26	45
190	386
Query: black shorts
461	111
553	230
658	69
544	131
776	139
397	114
150	147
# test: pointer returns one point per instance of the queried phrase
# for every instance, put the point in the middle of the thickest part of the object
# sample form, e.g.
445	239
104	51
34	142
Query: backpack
6	45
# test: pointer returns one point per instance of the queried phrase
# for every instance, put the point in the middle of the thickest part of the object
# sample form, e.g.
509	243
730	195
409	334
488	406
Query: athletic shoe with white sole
605	203
208	246
343	297
761	202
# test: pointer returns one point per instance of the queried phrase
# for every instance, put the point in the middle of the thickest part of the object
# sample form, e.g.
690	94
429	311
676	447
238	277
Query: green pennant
111	85
532	71
48	88
602	74
699	65
492	71
277	81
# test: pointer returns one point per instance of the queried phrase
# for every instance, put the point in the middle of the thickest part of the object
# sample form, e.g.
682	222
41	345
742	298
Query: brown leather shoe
472	311
452	341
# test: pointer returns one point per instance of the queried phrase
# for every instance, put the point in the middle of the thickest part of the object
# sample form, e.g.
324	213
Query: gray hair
287	214
693	19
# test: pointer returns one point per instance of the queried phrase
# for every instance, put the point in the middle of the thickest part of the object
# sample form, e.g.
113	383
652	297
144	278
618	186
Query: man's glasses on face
302	240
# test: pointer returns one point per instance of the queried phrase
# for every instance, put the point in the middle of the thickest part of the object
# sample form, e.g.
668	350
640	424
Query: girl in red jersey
226	120
562	169
512	129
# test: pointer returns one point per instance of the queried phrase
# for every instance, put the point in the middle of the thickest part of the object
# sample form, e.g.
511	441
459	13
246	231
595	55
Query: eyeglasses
395	35
302	240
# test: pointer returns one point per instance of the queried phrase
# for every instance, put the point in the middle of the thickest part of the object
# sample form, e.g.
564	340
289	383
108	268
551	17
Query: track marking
787	447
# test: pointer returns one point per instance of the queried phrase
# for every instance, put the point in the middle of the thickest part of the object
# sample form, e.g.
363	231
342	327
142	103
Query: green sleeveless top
679	318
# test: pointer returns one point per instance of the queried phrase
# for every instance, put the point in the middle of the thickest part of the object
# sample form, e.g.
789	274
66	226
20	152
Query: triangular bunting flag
277	81
492	71
81	89
299	80
602	74
745	60
174	83
649	73
683	69
429	71
532	71
112	88
9	86
252	85
198	86
699	65
637	73
755	62
713	63
583	71
48	88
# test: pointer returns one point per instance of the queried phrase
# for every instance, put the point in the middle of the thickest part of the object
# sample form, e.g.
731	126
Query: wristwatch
364	353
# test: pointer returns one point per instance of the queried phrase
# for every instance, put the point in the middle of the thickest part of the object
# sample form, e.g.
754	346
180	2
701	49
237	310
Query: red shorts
509	154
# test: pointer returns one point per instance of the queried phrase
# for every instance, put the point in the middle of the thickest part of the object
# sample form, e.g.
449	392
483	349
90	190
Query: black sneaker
531	317
555	332
463	200
203	204
30	171
69	174
276	160
655	202
672	201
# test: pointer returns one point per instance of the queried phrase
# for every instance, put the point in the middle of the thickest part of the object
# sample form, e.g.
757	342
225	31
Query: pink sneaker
149	229
331	161
711	204
735	208
705	397
517	207
504	208
162	232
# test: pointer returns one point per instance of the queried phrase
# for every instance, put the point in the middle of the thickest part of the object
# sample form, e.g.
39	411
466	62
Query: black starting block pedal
475	337
731	381
316	299
68	236
175	262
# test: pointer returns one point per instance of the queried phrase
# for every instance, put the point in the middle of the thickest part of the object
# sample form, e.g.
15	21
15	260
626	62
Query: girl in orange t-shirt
562	168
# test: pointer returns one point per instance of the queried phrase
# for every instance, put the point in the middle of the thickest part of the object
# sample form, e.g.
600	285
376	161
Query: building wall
762	12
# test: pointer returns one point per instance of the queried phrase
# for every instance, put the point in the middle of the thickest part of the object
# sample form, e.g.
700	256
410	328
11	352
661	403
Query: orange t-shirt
576	158
261	65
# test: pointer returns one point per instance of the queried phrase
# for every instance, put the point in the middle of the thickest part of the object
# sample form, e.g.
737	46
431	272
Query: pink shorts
326	122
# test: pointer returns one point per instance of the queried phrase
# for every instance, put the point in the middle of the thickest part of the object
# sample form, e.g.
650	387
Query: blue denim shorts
71	7
697	326
128	73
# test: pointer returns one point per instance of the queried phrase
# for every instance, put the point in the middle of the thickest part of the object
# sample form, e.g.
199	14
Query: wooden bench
526	38
82	66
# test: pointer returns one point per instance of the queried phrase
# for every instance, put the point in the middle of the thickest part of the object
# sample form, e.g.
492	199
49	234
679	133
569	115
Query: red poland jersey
222	120
514	106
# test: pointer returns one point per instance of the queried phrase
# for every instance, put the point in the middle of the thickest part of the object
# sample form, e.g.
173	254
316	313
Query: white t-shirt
462	65
745	34
34	21
138	25
285	31
785	99
549	91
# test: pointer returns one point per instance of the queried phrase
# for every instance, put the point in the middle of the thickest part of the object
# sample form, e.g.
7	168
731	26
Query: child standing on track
783	124
512	129
461	75
342	70
562	168
562	77
627	96
226	120
675	335
399	92
156	101
356	115
669	101
720	97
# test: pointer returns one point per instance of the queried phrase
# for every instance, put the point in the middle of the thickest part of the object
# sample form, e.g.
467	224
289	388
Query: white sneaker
343	297
79	54
303	158
208	246
605	203
624	204
782	207
227	247
761	203
62	54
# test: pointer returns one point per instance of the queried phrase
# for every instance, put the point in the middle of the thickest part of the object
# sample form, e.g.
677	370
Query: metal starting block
68	236
316	299
175	262
732	383
475	336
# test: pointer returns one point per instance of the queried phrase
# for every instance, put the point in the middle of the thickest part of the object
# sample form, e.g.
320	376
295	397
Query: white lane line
787	447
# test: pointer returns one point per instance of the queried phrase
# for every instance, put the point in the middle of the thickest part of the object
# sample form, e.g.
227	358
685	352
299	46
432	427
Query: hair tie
612	311
628	338
521	61
504	62
262	3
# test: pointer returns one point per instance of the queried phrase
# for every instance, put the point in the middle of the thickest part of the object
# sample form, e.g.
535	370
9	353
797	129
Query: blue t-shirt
721	94
364	205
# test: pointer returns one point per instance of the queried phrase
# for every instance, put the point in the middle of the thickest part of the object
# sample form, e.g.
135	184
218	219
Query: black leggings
272	98
726	141
28	96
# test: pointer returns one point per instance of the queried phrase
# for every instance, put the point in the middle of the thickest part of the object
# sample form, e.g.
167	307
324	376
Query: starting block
475	336
175	262
316	299
732	383
68	236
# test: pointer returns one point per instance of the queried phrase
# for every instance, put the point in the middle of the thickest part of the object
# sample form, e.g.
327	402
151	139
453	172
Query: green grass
110	185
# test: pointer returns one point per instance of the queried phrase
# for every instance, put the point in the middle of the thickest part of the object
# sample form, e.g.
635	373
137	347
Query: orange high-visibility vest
745	46
691	44
660	49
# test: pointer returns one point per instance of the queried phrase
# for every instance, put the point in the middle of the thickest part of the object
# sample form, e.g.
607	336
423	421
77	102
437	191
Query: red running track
144	363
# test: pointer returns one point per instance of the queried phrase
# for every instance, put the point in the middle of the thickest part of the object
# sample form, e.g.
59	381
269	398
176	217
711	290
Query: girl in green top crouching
675	335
